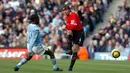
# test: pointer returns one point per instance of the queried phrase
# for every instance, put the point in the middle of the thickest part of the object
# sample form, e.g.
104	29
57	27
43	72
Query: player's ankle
70	69
19	64
55	66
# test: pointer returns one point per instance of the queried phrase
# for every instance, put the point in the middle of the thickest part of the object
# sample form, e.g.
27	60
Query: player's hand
63	27
69	32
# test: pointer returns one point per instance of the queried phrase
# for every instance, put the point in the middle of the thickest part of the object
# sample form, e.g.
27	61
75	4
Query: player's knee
29	56
75	48
50	53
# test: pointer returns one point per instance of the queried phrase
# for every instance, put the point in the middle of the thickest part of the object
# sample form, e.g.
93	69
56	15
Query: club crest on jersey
72	22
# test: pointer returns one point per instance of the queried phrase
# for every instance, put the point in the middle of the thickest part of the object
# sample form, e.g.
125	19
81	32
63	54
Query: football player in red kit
75	29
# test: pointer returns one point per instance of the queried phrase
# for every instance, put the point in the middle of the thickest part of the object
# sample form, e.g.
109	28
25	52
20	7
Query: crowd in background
15	17
116	34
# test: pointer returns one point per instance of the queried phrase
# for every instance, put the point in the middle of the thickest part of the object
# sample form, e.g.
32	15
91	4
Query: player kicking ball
35	46
75	30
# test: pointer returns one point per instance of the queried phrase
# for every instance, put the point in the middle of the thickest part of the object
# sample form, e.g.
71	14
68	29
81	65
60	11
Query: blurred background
101	36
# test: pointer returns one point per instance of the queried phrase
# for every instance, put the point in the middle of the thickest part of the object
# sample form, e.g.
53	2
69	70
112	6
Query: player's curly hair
34	18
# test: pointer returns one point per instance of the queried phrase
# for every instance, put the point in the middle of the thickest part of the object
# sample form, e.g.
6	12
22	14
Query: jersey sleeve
33	39
73	23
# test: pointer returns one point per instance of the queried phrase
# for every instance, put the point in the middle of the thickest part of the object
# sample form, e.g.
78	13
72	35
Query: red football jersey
73	22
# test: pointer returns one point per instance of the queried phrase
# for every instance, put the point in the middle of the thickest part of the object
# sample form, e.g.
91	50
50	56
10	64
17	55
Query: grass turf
89	66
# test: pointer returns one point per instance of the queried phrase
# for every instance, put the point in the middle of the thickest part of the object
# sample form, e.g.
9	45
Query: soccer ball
115	53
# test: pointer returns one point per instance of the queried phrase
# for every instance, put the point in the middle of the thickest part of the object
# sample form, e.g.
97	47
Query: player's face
66	12
37	20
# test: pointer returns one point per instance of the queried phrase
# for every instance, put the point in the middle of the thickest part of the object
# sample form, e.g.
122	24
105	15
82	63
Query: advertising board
15	53
107	56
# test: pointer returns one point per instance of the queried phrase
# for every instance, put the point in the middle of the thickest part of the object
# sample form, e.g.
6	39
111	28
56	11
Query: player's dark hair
34	19
65	7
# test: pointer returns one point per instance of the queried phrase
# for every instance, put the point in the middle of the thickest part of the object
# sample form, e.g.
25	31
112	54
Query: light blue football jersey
33	36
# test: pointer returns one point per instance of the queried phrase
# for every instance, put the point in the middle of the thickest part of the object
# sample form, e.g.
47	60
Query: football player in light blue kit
34	44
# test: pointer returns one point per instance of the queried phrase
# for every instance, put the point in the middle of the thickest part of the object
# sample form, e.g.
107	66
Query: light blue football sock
54	63
23	61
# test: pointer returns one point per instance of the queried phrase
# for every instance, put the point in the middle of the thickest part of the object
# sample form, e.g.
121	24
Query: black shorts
78	37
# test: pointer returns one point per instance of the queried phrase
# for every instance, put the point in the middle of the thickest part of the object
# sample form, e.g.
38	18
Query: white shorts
40	50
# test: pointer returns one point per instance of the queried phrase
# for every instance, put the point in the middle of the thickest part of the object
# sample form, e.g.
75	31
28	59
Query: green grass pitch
88	66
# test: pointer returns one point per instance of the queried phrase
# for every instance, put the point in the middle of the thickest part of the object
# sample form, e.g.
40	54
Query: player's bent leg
23	61
69	51
52	56
75	49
